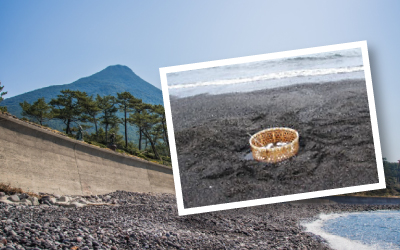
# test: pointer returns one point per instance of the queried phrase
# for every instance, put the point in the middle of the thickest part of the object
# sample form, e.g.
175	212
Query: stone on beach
145	221
34	200
63	199
51	200
14	198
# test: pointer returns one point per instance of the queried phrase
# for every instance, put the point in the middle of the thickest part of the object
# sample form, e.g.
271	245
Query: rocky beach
212	139
125	220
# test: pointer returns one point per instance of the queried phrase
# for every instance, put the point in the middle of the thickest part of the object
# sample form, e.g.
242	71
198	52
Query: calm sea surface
360	230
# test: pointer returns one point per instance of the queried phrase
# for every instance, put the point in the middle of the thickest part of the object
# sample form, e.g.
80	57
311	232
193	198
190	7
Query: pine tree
160	111
139	109
4	109
39	111
108	110
147	121
127	102
89	108
65	107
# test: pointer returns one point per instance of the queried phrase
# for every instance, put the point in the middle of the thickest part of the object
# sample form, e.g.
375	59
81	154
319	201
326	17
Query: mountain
110	81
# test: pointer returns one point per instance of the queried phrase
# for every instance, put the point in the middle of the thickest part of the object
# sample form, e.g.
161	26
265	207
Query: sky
45	43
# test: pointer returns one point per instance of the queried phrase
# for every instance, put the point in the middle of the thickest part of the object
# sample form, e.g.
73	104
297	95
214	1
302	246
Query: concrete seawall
39	160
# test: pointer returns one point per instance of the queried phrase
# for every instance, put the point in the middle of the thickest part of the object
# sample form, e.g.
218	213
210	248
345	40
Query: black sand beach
336	143
144	221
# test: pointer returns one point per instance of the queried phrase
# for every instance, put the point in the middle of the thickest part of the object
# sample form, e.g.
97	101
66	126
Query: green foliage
38	112
107	104
96	143
109	112
73	106
101	136
3	109
119	139
147	121
110	81
66	108
127	103
2	93
392	177
160	111
133	150
89	108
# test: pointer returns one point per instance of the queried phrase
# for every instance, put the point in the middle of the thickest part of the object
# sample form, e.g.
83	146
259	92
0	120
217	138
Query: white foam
271	76
335	241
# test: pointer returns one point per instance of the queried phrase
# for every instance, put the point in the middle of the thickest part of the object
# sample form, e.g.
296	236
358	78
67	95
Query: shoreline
146	221
336	143
320	226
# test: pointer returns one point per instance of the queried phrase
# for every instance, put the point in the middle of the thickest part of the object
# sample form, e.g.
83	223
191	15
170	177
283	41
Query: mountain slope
110	80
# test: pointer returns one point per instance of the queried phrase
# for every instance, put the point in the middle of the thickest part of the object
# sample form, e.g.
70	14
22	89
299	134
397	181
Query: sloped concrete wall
39	160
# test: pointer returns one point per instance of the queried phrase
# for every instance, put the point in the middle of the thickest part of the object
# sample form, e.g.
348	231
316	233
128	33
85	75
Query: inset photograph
272	128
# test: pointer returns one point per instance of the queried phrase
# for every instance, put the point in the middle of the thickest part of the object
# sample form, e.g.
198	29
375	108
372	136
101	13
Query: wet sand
336	144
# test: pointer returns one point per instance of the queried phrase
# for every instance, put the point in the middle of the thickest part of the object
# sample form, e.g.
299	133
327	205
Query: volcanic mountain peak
109	81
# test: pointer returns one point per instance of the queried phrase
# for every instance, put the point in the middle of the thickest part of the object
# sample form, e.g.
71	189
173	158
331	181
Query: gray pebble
14	198
144	220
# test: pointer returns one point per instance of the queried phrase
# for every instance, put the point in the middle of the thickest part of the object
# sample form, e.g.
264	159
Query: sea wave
271	76
313	58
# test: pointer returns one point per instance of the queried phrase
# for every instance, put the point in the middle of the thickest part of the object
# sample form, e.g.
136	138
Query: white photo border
301	196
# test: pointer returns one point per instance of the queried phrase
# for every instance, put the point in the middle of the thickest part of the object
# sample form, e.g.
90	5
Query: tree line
3	109
77	109
392	179
392	175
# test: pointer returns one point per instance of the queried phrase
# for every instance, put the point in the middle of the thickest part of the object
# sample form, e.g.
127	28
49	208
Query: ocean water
360	230
245	77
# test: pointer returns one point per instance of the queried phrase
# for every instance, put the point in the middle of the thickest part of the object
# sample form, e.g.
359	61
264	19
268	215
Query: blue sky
46	43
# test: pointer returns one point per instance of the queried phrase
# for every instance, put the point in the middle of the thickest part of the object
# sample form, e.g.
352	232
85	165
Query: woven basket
274	135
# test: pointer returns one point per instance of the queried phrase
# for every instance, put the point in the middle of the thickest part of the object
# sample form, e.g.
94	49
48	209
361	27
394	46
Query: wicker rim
271	129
